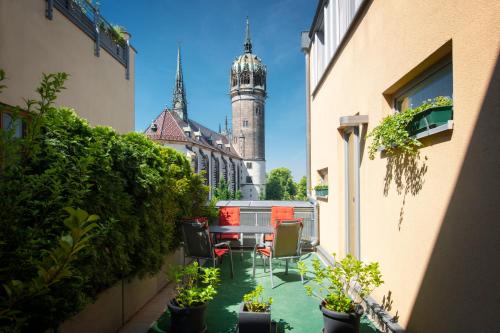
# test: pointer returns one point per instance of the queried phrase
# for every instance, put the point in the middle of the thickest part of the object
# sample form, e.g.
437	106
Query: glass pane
439	83
7	124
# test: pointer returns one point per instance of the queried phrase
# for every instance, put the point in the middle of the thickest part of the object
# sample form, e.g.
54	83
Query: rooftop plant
321	187
341	287
254	301
195	285
392	134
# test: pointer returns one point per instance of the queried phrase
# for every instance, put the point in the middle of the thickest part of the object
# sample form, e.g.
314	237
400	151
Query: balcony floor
292	309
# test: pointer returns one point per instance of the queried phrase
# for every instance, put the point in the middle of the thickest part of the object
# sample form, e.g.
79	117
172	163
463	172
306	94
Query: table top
241	229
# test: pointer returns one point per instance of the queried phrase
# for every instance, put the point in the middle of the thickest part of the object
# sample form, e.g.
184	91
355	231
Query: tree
280	185
302	189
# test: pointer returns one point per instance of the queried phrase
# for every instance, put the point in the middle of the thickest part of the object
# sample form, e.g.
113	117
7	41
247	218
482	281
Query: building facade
235	154
430	220
71	37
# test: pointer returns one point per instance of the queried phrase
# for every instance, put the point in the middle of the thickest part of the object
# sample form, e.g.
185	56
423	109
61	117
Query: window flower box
321	191
429	119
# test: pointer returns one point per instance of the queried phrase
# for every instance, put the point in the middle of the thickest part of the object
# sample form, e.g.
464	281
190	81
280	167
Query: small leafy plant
336	284
254	302
392	133
321	187
195	285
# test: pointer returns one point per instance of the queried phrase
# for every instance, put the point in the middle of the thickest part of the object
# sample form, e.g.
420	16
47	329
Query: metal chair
286	245
198	244
230	216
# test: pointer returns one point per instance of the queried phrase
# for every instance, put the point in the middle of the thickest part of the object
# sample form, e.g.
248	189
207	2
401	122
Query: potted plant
341	289
396	132
195	288
321	190
255	313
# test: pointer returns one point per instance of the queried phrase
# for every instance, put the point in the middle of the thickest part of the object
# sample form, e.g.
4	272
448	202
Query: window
438	81
8	123
249	180
245	123
245	77
249	165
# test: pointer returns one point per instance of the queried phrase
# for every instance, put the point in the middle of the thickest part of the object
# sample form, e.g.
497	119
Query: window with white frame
437	81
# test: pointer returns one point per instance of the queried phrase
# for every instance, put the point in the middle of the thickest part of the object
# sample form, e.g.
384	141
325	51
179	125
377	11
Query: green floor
292	309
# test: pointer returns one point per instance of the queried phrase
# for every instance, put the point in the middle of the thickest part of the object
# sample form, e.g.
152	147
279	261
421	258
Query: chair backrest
229	216
287	236
281	213
196	238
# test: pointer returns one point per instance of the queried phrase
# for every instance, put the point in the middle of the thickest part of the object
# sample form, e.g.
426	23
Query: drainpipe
305	43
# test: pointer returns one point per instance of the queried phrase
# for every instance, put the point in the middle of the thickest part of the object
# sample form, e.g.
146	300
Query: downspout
305	45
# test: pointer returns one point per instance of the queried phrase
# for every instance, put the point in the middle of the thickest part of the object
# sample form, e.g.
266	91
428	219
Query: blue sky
211	34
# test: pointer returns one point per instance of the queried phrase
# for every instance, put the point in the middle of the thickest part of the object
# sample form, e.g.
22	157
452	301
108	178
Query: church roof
172	128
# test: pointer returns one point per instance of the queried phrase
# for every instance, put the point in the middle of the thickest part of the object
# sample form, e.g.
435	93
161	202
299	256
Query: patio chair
198	244
230	216
286	245
279	213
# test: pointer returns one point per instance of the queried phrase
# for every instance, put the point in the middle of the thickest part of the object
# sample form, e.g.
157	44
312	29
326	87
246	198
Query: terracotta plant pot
187	320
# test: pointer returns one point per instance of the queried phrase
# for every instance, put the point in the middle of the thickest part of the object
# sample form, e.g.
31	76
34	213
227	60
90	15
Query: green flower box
321	192
430	118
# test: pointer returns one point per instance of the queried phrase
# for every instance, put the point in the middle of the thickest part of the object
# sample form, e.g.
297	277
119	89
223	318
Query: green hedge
138	188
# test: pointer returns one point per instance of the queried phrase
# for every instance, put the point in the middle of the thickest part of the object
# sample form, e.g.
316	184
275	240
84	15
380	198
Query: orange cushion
265	251
220	252
229	216
281	213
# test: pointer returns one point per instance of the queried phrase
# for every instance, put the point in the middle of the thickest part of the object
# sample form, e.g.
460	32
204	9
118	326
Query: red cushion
229	216
279	213
265	251
220	252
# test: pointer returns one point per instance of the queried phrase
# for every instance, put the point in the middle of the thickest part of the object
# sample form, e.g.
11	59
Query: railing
86	16
259	213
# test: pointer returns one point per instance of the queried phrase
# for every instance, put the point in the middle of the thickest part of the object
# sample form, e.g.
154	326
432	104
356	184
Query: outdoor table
241	229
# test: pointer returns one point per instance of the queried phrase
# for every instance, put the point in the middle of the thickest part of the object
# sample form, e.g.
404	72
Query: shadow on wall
407	171
460	290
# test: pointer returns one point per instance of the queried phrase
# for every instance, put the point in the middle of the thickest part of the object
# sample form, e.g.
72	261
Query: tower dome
247	69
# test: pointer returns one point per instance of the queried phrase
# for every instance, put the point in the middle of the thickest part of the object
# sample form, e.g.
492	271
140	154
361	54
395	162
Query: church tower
179	102
248	99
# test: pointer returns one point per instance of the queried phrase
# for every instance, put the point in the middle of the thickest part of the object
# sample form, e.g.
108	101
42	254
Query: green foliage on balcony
138	188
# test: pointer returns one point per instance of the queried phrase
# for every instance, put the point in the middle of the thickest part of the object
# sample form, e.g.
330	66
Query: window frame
422	77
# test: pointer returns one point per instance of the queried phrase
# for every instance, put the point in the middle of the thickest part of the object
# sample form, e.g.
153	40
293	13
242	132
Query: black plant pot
187	320
340	322
253	322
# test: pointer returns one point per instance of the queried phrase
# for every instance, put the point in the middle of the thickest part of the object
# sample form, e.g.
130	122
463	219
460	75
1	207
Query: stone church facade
237	154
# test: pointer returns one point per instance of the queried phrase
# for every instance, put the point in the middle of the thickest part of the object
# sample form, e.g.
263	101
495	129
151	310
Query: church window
249	180
257	79
249	165
234	78
245	77
245	123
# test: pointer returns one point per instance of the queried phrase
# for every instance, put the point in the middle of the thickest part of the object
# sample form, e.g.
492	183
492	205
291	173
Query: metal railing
86	16
259	213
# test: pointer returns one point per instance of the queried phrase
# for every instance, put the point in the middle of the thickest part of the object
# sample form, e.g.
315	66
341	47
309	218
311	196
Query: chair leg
264	260
286	266
184	261
241	246
254	255
231	259
271	270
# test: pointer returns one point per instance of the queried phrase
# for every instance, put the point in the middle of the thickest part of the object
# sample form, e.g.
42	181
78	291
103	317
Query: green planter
429	119
322	192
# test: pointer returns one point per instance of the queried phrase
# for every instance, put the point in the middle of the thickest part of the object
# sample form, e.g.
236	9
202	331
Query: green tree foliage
137	187
223	192
302	189
280	186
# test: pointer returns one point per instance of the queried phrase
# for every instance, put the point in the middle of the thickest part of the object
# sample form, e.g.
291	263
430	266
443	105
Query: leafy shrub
137	187
195	284
335	284
254	301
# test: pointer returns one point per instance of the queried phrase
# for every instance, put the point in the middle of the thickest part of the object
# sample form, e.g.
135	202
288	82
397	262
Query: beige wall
30	45
435	243
116	304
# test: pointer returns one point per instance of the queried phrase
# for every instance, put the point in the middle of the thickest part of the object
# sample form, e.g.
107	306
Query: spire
225	126
179	102
220	129
248	41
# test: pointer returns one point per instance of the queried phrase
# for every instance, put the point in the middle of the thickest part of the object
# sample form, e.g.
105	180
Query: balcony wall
31	44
